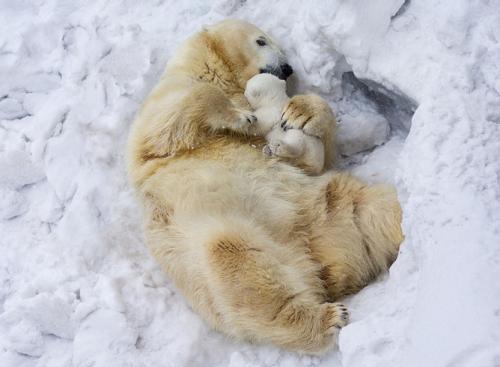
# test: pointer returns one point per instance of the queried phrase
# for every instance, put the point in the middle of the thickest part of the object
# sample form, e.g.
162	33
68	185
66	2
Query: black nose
286	70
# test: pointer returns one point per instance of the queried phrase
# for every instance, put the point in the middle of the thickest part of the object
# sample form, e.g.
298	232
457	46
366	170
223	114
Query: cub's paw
279	148
335	317
310	113
245	121
267	150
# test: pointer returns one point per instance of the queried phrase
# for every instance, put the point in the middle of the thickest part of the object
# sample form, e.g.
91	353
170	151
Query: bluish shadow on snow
394	105
373	123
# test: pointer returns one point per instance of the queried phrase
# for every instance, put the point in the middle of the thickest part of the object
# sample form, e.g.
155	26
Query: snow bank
416	86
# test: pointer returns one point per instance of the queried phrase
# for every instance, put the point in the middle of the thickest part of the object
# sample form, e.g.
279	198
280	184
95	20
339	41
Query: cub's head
264	90
246	50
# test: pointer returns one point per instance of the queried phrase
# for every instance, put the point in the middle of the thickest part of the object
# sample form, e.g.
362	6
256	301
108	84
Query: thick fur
267	96
259	248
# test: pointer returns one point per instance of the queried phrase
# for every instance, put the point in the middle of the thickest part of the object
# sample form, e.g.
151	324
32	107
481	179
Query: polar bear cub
267	95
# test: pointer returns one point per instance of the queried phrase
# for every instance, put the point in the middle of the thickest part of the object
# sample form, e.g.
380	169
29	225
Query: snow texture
416	87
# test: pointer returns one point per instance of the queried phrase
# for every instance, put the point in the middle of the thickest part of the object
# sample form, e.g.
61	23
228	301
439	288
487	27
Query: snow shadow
373	123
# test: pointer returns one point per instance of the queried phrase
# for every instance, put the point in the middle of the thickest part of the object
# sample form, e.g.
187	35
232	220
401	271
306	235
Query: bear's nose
286	70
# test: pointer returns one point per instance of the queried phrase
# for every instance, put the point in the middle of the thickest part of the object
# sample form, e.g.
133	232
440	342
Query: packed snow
416	88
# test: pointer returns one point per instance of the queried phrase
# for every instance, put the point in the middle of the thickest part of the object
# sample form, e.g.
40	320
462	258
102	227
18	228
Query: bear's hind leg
360	235
378	216
262	299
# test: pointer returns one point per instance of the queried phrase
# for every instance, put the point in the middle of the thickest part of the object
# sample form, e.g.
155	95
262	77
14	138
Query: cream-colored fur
259	248
266	94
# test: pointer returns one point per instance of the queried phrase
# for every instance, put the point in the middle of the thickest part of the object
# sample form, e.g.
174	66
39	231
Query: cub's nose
286	70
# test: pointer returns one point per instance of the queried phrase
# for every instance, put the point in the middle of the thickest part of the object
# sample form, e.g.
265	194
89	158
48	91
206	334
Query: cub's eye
261	42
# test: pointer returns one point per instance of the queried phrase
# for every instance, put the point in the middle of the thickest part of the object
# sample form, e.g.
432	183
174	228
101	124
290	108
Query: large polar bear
258	247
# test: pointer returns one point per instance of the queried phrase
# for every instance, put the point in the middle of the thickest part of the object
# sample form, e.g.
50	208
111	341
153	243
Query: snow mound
416	87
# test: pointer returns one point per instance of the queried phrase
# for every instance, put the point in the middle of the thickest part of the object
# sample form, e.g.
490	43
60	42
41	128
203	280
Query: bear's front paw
309	113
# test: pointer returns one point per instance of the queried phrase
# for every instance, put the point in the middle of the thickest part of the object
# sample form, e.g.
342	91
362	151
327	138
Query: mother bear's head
234	51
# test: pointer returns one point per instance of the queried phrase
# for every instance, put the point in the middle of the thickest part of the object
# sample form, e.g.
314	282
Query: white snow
77	285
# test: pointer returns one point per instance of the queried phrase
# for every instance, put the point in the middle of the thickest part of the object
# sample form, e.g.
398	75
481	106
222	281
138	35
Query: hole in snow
396	107
373	123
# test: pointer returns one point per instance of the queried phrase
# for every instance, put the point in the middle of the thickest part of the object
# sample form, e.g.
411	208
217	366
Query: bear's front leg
208	105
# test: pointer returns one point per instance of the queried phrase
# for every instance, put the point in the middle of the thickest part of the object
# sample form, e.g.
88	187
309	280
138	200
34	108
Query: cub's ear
255	93
252	93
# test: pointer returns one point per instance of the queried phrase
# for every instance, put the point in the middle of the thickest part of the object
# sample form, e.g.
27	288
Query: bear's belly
236	180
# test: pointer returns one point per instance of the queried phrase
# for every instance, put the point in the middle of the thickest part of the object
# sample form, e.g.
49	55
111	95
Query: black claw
283	124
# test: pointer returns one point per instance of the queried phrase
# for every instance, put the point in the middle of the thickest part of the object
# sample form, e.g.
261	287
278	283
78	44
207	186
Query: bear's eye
261	42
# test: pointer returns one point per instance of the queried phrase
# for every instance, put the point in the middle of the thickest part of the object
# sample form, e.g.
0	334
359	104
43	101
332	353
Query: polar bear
266	94
261	250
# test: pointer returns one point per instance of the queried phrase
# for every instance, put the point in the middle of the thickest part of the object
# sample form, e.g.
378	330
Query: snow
416	87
